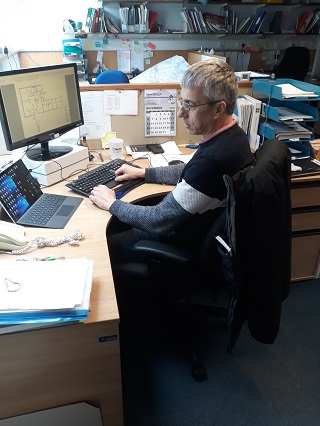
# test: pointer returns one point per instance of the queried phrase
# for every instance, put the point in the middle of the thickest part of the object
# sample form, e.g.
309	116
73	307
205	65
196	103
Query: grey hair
216	78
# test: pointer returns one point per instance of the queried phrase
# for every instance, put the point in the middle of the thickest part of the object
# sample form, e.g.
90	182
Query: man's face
200	118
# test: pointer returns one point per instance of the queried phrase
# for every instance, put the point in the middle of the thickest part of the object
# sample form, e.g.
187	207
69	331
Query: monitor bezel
45	137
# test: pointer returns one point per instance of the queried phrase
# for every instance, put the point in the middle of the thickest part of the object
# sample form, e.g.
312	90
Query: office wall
131	128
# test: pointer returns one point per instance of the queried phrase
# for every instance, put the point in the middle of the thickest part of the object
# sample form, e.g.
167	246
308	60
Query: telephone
11	236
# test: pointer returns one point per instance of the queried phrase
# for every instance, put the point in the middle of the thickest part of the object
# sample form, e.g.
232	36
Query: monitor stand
44	153
49	172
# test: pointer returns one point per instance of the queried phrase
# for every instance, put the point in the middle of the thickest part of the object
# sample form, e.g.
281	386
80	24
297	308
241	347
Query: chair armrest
158	251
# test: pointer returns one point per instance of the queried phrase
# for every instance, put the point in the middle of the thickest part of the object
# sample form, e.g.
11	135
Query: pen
190	146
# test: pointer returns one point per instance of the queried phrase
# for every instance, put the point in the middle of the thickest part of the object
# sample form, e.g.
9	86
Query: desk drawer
306	220
305	255
305	194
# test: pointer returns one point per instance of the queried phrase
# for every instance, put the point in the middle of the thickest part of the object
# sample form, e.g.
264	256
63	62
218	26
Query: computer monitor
38	105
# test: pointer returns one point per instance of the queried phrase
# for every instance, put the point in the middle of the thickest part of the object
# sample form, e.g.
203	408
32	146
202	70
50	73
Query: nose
182	112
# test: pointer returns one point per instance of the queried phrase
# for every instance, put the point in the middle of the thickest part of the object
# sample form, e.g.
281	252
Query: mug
116	148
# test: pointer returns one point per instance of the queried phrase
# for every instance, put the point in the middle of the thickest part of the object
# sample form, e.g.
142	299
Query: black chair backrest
294	63
259	217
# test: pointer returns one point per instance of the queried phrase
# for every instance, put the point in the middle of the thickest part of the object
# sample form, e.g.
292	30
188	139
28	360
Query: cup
116	148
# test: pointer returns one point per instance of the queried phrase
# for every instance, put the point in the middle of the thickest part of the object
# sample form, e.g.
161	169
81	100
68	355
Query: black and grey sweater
185	213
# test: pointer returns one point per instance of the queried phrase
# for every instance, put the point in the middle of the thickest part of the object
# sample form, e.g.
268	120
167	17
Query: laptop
24	202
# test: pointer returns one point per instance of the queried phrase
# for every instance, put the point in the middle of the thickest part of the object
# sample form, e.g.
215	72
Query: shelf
271	89
270	109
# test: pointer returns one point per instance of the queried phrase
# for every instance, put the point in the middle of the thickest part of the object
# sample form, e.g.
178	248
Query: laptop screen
18	190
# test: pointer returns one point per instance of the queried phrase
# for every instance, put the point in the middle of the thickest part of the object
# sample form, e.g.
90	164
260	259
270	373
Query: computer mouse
174	162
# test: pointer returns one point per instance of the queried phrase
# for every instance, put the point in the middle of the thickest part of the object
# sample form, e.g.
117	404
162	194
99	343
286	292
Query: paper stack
290	91
36	292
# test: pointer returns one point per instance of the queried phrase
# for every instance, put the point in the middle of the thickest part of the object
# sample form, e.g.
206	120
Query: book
303	21
242	24
216	23
244	113
201	20
251	23
95	25
315	18
254	123
111	26
90	19
275	24
259	21
195	22
188	19
152	18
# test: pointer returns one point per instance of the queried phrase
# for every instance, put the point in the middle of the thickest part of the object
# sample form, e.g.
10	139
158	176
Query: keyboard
104	175
43	209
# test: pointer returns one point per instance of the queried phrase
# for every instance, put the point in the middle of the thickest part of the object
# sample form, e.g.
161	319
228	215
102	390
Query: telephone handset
11	236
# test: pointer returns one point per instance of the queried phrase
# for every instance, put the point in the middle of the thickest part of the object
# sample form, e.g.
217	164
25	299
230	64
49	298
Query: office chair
256	225
111	77
294	63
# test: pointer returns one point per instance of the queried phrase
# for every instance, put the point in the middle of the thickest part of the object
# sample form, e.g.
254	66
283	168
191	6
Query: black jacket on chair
259	209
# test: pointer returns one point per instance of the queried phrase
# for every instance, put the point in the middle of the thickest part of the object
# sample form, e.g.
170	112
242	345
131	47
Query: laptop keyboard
42	211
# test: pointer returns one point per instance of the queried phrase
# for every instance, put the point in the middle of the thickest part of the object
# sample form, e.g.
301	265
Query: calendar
160	112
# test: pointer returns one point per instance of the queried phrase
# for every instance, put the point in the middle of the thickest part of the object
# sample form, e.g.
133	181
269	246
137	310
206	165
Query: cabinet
305	200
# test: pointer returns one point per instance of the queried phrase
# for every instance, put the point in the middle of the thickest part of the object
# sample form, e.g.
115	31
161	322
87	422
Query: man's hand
126	172
102	196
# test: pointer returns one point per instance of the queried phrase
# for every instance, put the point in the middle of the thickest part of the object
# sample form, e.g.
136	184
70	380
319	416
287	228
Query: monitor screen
37	105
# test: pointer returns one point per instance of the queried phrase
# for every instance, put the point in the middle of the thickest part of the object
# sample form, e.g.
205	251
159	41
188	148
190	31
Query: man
209	93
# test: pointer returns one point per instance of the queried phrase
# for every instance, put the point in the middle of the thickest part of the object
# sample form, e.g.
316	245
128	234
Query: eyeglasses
186	105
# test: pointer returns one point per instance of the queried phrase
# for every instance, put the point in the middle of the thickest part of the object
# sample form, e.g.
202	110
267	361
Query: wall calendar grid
160	112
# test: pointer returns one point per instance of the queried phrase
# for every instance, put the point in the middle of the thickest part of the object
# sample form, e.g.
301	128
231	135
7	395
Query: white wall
37	24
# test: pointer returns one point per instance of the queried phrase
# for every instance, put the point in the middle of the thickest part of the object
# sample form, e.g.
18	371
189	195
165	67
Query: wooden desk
52	367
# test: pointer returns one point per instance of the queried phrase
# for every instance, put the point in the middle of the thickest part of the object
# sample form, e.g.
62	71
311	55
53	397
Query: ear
220	107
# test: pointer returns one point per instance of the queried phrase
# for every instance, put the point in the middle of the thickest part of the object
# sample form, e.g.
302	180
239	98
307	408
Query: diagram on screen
37	105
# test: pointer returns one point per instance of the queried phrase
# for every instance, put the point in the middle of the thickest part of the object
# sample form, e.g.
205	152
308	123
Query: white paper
124	60
290	91
171	152
29	285
120	102
96	121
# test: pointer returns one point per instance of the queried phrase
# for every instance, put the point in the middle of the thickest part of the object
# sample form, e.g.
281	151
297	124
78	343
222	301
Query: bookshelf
263	47
170	18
